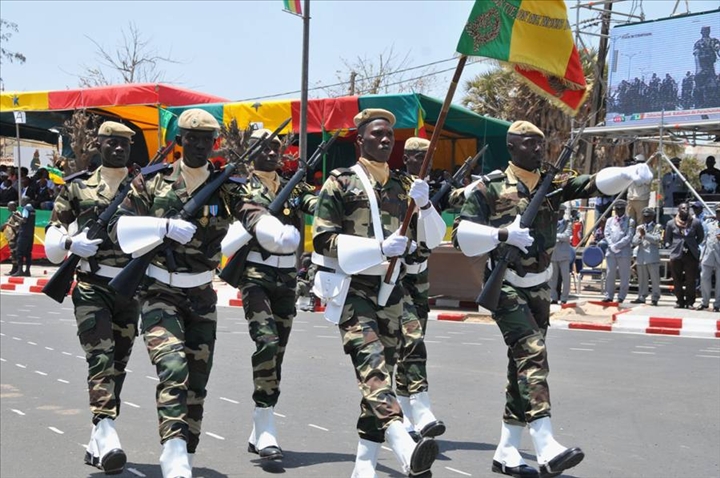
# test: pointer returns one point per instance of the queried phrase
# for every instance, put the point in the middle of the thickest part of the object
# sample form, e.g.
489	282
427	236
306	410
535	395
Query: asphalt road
638	405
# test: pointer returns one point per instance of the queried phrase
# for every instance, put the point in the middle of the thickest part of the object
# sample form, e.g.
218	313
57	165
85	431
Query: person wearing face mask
490	219
106	322
355	231
268	282
619	231
683	236
177	300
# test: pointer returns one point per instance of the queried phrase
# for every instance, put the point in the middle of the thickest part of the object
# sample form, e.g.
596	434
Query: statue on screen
706	51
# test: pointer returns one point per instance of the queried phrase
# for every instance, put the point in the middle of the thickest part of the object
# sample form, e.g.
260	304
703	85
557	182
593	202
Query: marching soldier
490	218
178	304
106	321
357	217
11	228
268	283
411	379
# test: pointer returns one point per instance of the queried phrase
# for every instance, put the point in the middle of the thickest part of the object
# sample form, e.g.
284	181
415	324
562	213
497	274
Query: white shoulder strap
372	199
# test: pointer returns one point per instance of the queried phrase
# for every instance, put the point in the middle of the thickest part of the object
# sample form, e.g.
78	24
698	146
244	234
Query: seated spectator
7	193
44	196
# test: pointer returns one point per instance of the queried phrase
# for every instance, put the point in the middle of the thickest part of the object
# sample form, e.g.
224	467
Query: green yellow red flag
55	175
534	37
293	6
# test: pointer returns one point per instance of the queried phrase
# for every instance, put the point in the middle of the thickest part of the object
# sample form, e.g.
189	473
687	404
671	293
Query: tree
390	73
134	60
7	29
82	129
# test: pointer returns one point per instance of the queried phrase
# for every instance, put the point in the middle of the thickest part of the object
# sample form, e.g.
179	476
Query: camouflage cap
416	144
113	128
371	114
648	211
199	120
525	128
258	134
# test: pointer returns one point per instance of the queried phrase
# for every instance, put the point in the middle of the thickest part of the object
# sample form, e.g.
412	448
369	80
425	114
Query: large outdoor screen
669	65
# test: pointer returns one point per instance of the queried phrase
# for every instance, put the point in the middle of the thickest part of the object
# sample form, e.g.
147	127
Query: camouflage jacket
256	198
343	208
11	227
83	200
497	202
164	195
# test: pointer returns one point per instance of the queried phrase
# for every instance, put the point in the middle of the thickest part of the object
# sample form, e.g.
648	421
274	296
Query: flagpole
304	81
429	154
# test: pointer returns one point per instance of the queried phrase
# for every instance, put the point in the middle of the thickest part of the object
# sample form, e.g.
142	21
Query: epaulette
84	174
340	171
238	179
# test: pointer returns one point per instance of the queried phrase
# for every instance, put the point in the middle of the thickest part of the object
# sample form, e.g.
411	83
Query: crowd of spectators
38	188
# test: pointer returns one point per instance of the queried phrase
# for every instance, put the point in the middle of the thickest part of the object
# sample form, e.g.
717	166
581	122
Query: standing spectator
26	235
698	210
562	257
672	184
647	239
710	177
683	235
638	195
619	231
710	262
11	228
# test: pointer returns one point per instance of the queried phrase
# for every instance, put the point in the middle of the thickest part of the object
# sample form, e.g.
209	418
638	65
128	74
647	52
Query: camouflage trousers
411	374
179	327
106	327
372	336
523	315
268	297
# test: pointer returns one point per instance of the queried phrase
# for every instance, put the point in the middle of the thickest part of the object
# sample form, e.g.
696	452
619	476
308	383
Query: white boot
407	413
366	459
174	460
552	457
423	416
191	460
263	438
507	459
414	458
104	450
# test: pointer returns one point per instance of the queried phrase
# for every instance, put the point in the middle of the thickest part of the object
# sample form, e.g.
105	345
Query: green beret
525	128
258	134
417	144
371	114
199	120
112	128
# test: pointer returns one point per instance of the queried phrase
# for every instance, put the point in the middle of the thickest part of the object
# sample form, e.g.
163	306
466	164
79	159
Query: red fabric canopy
329	114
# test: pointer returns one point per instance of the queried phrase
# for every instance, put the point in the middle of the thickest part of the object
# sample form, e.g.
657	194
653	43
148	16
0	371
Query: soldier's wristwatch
68	243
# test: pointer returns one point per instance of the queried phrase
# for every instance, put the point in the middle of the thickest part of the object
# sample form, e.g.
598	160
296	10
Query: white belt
531	279
280	262
416	268
332	263
182	280
104	271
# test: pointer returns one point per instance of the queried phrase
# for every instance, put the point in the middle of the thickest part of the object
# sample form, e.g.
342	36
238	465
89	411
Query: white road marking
330	337
320	326
59	432
582	350
62	381
432	341
49	348
442	337
80	357
40	373
11	315
3	360
2	335
22	414
279	414
136	473
457	471
26	323
67	353
54	313
319	428
32	343
229	400
712	351
21	366
708	356
17	338
587	343
210	434
23	310
644	353
469	343
32	317
298	330
644	346
131	404
152	378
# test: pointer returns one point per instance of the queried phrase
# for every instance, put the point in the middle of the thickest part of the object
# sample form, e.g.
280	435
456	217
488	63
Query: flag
293	6
534	37
166	118
55	175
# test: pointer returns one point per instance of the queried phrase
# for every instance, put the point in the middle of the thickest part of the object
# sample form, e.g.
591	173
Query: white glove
394	245
84	247
519	236
413	247
420	192
289	239
638	173
180	230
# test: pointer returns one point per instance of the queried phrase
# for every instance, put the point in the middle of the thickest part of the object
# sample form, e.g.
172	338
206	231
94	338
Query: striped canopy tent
136	105
464	133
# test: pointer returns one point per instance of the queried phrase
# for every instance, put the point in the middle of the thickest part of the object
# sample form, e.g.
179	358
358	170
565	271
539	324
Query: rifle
467	167
59	285
490	293
128	280
234	267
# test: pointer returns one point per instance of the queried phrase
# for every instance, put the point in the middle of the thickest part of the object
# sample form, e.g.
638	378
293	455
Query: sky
243	50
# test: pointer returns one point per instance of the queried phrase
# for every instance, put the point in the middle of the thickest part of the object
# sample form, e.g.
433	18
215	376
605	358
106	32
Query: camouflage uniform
371	334
523	314
106	322
268	292
11	229
179	325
